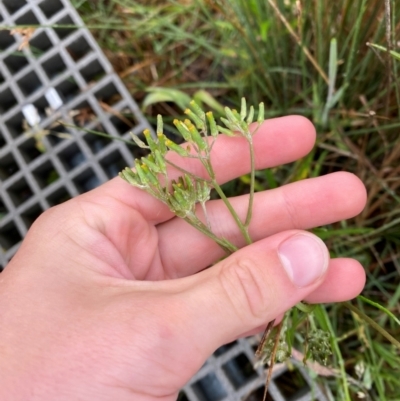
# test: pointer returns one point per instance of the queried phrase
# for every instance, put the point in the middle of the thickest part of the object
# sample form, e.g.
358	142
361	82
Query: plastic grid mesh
68	60
231	375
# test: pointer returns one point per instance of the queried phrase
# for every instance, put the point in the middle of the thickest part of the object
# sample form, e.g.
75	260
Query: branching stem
239	223
224	244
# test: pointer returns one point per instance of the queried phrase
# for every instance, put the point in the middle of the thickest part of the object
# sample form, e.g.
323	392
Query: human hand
108	299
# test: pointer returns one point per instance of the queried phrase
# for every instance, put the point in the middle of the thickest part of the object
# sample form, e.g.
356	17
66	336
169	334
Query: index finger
278	141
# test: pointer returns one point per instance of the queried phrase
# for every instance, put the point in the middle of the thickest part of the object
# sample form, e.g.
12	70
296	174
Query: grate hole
57	134
68	89
28	150
239	371
93	71
86	181
14	124
50	7
41	106
69	27
54	66
1	77
20	192
30	215
16	62
224	348
8	166
7	100
46	174
258	395
59	196
3	209
29	83
108	94
181	396
78	48
28	18
6	40
83	114
209	388
13	5
40	44
2	141
292	384
113	163
72	157
97	143
122	123
9	236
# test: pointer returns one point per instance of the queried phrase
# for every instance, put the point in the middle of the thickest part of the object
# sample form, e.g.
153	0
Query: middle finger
300	205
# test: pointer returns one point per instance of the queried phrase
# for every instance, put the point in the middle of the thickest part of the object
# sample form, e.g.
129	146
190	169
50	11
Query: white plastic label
31	114
53	98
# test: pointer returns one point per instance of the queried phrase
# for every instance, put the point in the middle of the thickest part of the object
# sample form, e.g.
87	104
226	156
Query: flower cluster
319	346
200	131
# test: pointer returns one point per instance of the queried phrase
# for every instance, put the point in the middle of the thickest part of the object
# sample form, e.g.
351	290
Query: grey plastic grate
230	375
64	70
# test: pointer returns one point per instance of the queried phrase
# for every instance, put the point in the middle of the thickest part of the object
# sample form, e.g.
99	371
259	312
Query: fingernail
304	257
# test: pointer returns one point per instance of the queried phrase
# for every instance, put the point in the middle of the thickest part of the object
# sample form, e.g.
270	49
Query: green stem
102	134
252	183
224	244
336	348
208	166
373	324
242	228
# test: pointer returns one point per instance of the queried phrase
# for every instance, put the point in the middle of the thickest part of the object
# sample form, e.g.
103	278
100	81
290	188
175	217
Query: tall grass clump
334	62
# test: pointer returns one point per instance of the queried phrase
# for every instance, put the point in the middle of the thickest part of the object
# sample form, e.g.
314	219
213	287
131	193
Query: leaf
159	95
394	54
380	307
205	97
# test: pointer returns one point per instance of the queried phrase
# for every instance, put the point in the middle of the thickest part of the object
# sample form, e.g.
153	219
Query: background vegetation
309	57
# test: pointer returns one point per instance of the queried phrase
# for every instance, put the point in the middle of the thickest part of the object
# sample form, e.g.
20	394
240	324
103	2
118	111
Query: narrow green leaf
393	53
380	307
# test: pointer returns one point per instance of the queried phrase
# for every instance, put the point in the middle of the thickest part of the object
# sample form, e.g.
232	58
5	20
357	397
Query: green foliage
200	132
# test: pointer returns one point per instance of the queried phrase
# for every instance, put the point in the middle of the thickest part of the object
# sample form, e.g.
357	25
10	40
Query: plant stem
373	324
336	348
299	41
252	183
242	228
102	134
224	244
208	166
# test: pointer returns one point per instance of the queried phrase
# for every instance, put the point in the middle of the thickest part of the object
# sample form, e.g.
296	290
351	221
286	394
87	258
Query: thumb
254	285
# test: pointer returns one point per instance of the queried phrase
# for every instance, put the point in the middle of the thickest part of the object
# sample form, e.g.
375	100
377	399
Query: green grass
309	58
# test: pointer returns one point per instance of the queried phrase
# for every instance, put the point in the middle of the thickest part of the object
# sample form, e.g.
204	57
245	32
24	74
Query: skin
109	297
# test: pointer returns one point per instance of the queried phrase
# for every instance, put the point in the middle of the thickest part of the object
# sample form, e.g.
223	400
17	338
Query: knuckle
248	291
290	208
